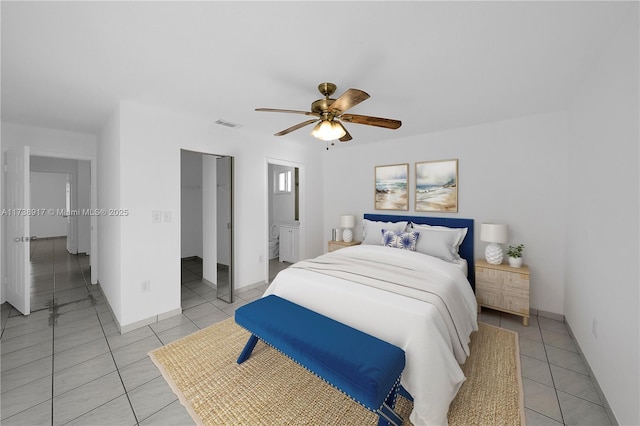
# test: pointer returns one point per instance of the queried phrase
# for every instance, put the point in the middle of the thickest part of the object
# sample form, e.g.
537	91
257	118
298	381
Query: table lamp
494	234
347	222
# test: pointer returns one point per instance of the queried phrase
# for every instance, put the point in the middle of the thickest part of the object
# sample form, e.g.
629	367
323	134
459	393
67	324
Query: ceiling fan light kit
329	112
328	131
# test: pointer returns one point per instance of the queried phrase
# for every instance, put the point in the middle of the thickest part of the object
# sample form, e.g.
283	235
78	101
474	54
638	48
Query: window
282	182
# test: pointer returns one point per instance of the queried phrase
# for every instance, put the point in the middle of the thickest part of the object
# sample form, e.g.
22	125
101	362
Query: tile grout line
53	322
552	380
555	389
110	350
600	404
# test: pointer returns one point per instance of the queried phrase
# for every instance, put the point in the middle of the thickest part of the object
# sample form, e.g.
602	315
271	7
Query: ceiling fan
330	113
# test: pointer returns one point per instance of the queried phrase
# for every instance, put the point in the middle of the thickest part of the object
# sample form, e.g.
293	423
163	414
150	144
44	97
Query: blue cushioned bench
363	367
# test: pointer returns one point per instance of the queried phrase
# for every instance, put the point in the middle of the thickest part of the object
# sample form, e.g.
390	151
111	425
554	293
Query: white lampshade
494	233
347	221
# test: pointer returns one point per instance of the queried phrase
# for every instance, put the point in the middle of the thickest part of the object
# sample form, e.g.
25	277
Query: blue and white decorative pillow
401	240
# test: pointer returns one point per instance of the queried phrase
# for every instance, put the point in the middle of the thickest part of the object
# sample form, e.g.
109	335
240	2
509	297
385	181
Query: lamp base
493	254
347	235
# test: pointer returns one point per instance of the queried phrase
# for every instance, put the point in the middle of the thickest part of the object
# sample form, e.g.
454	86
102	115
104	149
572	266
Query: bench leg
387	415
248	348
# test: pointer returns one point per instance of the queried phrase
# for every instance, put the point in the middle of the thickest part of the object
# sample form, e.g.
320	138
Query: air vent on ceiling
226	123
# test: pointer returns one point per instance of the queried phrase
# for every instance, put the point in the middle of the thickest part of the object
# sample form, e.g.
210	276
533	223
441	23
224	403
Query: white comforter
392	313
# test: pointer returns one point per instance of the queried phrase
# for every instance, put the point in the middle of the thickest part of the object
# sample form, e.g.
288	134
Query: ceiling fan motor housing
321	105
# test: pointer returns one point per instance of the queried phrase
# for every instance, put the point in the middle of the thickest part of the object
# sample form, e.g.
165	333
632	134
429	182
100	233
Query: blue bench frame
361	366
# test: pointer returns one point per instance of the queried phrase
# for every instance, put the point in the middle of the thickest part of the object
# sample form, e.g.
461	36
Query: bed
419	302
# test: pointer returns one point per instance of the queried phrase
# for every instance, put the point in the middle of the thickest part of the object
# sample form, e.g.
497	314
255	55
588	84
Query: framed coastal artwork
392	187
437	186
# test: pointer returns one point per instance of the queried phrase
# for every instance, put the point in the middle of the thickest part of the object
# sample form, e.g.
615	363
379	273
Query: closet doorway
206	228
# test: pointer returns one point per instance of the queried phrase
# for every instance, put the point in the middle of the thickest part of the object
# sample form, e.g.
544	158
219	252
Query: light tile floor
557	387
276	266
66	363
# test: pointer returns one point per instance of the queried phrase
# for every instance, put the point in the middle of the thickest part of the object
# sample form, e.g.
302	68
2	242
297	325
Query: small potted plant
515	255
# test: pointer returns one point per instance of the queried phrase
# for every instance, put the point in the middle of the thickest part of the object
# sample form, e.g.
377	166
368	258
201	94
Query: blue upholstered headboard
466	248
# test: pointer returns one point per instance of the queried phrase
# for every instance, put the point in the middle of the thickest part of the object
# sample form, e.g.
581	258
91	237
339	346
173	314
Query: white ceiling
433	65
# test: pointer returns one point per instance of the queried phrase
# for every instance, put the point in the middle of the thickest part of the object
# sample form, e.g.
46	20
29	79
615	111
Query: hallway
58	278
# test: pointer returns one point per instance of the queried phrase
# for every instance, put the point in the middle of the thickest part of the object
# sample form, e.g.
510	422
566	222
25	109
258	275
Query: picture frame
391	187
436	188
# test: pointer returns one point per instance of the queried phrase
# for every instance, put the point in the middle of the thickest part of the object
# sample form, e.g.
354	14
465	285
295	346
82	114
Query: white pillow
372	230
440	241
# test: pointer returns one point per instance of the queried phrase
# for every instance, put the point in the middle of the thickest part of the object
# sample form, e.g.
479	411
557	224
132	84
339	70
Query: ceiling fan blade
347	137
296	127
348	99
387	123
291	111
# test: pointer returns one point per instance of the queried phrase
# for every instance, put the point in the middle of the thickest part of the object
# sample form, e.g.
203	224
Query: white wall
83	190
191	204
110	227
511	172
146	251
602	239
45	142
223	209
48	191
209	219
3	234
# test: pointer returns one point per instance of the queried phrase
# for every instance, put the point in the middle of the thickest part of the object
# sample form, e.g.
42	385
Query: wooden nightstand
335	245
504	288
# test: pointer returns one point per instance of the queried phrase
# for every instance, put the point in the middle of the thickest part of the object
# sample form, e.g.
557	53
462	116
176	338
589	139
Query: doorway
284	212
62	192
206	228
61	187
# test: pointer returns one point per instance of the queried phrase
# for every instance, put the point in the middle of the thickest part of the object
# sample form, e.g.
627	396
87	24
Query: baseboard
138	324
250	287
195	258
148	321
235	290
551	315
594	379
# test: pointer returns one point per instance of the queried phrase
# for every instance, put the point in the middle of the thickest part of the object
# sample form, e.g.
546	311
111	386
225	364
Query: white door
17	220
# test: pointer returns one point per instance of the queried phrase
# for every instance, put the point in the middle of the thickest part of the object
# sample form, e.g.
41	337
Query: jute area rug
270	389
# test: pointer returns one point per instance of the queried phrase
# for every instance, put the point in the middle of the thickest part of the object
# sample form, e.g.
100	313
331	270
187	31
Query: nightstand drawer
488	291
516	298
